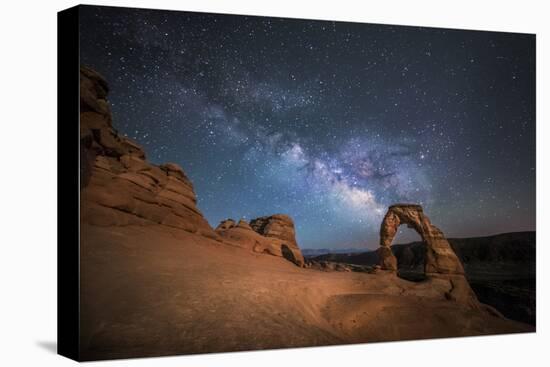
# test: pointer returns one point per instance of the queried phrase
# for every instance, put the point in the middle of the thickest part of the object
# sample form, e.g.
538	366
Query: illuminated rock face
440	257
119	187
442	267
274	235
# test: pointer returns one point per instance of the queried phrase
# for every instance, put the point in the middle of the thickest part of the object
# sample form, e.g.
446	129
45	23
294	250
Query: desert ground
156	290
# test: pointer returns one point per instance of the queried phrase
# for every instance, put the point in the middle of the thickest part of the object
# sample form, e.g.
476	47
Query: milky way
328	122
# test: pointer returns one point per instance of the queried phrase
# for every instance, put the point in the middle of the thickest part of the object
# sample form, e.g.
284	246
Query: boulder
244	224
225	224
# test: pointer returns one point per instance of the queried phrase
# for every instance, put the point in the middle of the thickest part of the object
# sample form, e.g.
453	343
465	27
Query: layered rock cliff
118	185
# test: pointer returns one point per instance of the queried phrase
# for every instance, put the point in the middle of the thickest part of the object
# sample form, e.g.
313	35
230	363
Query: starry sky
328	122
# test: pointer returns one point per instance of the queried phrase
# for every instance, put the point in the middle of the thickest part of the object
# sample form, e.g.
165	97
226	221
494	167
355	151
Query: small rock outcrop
274	235
277	226
225	224
330	266
243	224
118	185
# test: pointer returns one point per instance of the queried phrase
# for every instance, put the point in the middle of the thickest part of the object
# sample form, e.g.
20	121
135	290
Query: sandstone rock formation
243	224
274	235
225	224
441	262
278	226
440	257
387	260
118	185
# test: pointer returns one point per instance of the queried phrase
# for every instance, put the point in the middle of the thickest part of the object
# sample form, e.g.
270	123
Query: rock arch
440	257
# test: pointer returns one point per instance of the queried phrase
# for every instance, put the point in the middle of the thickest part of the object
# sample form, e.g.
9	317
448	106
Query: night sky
328	122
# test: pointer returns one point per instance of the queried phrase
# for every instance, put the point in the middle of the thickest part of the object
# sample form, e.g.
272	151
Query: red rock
387	260
225	224
440	257
274	235
119	186
441	262
244	224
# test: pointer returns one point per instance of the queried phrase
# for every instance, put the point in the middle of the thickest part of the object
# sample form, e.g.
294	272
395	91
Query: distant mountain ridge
456	242
309	252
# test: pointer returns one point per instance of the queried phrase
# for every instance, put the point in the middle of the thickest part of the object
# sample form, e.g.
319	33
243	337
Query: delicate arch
440	257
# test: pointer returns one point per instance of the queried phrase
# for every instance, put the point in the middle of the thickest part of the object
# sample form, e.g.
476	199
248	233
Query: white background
28	183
